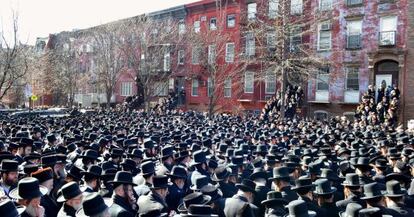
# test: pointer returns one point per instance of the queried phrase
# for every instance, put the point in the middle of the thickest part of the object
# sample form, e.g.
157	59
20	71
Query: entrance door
382	80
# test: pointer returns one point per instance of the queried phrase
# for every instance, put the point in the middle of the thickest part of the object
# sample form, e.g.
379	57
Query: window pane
296	6
270	83
197	26
231	20
250	44
194	88
195	55
324	40
211	54
249	82
323	80
354	26
251	11
388	24
273	8
227	87
181	57
213	23
352	81
229	52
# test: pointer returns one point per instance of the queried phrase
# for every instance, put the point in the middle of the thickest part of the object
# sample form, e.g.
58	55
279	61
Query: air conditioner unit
326	26
203	18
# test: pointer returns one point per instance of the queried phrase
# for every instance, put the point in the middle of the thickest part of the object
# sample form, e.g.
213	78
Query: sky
39	18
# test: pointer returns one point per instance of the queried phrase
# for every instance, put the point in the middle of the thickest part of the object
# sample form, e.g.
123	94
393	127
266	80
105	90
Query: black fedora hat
193	198
117	152
247	185
178	172
199	157
159	182
90	154
93	204
221	173
372	212
212	191
398	176
199	211
167	151
199	181
372	190
352	210
258	173
68	191
363	163
280	173
28	188
274	197
9	166
147	168
302	183
136	153
323	187
329	174
43	174
93	170
32	156
8	209
298	208
123	178
352	180
394	189
75	172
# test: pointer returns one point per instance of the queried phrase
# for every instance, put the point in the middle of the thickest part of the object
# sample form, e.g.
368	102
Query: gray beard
31	211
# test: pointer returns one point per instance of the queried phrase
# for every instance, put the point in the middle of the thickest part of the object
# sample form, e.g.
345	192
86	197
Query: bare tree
13	59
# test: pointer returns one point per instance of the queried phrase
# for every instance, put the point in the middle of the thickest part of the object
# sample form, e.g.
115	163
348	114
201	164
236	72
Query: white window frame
229	58
296	7
250	44
270	83
227	88
319	79
197	26
320	32
273	9
394	20
354	23
167	62
233	23
251	11
194	87
249	82
181	56
213	26
211	54
348	71
195	55
325	5
126	88
181	27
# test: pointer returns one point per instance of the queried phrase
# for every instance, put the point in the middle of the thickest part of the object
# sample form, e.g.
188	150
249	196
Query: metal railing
387	38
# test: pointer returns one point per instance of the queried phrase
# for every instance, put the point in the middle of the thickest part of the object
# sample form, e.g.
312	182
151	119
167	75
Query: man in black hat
45	177
274	204
147	174
9	175
71	196
123	198
176	189
28	193
155	200
324	196
352	191
94	205
200	166
221	176
25	148
259	177
167	160
375	198
116	157
241	204
394	198
303	187
281	180
298	208
91	179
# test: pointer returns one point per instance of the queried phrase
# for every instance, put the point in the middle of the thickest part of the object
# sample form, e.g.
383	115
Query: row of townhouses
362	42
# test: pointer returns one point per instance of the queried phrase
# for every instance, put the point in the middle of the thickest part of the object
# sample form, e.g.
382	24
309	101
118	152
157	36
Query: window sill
319	102
323	50
351	49
355	5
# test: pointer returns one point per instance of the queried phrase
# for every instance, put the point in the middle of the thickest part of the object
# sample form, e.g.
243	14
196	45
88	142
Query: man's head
71	195
9	174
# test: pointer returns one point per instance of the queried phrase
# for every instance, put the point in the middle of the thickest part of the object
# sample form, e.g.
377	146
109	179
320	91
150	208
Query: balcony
352	3
387	38
353	41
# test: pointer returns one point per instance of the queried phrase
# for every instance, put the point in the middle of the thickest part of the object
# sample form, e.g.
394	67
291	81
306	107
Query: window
161	88
167	62
195	55
248	82
126	88
211	54
250	44
295	38
273	8
324	36
229	52
197	26
194	87
354	30
353	2
210	87
322	80
296	6
270	84
325	5
388	28
181	57
271	39
213	23
231	20
227	87
352	82
251	11
181	27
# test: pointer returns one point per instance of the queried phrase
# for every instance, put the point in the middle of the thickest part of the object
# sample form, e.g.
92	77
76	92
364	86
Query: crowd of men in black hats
379	107
114	163
293	100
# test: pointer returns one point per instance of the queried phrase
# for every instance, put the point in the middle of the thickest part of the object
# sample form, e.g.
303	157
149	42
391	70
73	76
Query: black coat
66	211
402	210
312	206
151	202
239	206
174	197
261	195
351	199
51	207
120	208
288	194
329	209
227	189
